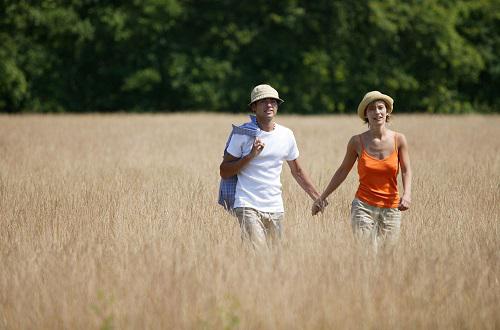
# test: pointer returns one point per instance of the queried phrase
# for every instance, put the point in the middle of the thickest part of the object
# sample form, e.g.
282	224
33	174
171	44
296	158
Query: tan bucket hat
260	92
374	96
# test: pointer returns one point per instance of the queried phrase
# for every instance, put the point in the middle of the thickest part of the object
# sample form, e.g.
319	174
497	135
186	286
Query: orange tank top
378	184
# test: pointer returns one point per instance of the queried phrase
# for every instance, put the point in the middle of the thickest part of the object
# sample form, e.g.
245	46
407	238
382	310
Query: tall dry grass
112	222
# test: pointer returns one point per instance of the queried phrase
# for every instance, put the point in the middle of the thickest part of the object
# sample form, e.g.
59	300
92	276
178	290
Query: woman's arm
349	159
404	162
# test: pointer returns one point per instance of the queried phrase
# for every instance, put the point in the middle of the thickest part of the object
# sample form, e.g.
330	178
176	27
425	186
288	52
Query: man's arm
231	165
303	179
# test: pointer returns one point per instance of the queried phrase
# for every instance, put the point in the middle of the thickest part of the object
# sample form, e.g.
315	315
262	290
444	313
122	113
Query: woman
376	208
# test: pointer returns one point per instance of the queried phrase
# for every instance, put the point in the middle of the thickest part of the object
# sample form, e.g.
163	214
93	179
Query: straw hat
374	96
263	92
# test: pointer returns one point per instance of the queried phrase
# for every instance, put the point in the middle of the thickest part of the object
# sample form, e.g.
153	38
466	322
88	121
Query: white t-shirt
259	184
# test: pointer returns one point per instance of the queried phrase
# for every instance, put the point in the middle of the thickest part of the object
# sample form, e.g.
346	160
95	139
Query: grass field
112	222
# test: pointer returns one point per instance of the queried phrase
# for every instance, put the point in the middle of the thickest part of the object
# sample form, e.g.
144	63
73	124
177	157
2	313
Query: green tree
479	23
166	55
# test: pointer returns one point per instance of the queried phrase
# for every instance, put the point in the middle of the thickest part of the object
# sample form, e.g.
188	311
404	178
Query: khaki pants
375	226
261	229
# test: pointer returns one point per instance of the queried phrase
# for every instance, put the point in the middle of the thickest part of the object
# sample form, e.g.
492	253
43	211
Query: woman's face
376	112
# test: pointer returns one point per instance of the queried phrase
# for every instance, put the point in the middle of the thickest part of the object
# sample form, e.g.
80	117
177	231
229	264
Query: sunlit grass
112	221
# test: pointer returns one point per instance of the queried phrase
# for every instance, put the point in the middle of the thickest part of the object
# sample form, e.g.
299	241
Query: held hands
404	203
319	206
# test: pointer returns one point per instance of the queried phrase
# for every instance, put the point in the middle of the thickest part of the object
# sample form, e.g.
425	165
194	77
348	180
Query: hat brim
266	97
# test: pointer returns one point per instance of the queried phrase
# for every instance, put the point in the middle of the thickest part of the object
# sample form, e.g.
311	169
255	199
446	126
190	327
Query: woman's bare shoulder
354	144
400	138
354	140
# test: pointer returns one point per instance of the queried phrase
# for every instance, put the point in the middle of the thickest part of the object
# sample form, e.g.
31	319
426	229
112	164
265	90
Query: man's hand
257	147
319	206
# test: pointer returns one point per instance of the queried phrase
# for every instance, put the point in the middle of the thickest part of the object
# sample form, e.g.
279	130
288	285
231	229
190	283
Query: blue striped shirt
227	187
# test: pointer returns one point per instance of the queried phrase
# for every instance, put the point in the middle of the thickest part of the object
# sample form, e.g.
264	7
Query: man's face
265	108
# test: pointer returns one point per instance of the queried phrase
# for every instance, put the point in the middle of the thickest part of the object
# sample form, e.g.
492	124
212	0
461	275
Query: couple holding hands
253	161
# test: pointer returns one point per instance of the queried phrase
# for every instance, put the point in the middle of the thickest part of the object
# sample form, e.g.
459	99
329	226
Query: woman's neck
378	131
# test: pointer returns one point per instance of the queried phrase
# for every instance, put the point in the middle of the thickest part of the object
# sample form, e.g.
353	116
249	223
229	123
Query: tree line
187	55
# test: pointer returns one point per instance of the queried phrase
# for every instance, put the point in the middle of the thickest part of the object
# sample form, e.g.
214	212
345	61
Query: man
257	161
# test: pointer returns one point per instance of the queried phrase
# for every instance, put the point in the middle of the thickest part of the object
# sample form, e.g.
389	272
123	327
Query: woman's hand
404	203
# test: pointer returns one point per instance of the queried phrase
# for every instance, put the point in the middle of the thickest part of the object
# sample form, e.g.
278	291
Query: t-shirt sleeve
235	147
293	152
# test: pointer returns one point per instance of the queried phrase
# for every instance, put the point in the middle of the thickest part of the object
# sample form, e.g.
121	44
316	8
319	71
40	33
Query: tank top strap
361	143
396	142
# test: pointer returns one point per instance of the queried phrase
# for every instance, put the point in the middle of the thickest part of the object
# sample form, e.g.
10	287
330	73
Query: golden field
111	221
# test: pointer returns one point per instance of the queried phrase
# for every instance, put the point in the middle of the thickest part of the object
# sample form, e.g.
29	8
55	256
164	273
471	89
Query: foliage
322	56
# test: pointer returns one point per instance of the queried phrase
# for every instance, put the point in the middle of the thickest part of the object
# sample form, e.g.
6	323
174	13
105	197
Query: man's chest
274	146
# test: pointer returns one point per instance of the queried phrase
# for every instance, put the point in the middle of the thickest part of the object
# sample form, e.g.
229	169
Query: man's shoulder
284	129
242	136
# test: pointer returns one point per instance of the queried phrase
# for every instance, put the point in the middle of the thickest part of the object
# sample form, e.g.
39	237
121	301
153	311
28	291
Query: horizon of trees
438	56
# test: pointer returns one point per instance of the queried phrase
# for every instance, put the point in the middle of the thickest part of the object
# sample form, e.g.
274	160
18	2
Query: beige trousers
261	229
375	226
